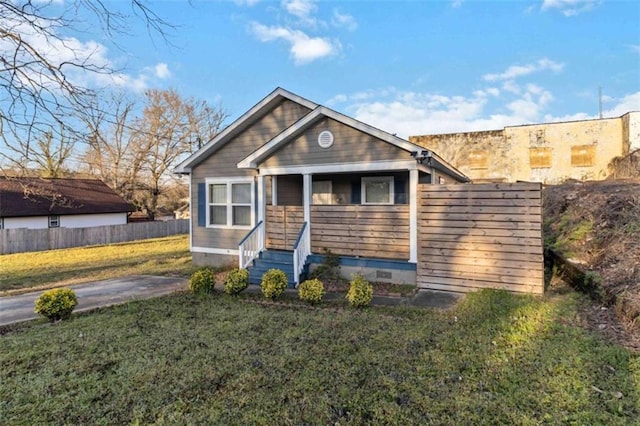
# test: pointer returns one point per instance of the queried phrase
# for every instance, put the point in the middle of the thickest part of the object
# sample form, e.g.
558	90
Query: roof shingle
58	196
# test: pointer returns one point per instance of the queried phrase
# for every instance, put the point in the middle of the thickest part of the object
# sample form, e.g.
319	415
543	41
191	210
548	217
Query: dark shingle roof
59	196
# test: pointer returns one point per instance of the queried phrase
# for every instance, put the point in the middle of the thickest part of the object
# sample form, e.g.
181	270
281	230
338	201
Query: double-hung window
54	221
377	190
229	203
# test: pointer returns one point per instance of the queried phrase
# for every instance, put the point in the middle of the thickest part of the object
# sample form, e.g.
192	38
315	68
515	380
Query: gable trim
221	138
252	161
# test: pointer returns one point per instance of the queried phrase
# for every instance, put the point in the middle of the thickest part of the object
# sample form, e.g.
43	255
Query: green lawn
494	359
158	256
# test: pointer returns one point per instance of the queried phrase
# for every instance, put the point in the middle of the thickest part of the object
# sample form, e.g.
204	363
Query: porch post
274	190
413	216
306	202
261	198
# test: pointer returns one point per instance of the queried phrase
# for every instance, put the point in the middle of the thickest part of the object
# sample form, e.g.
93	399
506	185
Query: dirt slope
598	225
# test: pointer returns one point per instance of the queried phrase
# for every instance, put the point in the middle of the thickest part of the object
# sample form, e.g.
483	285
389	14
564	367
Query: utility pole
600	101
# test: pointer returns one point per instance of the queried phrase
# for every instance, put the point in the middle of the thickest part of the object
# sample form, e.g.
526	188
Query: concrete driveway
94	295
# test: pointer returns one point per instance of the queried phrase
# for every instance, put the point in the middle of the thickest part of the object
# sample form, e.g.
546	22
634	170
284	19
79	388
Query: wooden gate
475	236
283	225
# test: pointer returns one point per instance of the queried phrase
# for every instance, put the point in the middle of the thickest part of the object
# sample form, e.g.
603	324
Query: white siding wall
69	221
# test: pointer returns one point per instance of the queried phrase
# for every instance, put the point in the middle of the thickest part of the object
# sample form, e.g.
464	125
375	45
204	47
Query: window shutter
356	193
400	191
202	204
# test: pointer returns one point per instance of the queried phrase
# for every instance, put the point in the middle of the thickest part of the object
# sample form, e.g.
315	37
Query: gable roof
320	112
317	114
259	109
28	196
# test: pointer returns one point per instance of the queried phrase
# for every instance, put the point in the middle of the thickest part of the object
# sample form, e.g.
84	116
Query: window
321	192
54	221
583	155
1	222
229	203
377	190
539	158
441	180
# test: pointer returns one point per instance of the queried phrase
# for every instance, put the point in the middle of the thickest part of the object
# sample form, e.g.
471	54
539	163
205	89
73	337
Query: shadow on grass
496	358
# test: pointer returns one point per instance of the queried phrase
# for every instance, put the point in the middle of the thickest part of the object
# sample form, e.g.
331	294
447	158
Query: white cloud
246	2
630	102
569	7
456	3
84	63
162	71
343	20
300	8
635	48
303	49
515	71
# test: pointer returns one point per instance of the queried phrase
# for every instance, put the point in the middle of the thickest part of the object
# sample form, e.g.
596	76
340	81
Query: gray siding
350	145
223	163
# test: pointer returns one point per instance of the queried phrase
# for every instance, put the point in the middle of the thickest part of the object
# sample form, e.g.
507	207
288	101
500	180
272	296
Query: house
547	153
28	202
290	179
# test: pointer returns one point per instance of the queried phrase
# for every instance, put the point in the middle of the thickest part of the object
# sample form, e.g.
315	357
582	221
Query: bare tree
43	67
52	155
134	155
170	128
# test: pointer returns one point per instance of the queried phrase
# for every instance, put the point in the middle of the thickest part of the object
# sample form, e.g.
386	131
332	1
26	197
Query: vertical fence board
27	240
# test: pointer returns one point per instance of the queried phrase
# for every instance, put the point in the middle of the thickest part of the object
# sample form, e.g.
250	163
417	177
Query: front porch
364	218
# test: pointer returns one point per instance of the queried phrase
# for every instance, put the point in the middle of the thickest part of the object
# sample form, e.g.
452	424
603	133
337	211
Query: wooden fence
26	240
480	236
283	225
361	230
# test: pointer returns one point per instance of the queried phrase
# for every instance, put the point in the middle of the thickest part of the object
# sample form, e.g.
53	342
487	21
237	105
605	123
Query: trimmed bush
311	291
360	292
274	281
236	281
56	304
202	281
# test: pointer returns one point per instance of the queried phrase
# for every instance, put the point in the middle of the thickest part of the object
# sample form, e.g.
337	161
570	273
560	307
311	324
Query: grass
496	358
54	268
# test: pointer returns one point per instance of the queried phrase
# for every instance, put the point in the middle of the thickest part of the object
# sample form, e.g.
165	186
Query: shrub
274	281
311	291
236	281
202	281
56	304
360	292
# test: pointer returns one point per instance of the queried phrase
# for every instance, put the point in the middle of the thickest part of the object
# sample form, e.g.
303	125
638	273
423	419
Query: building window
478	160
539	158
377	190
321	191
54	221
583	155
1	222
230	203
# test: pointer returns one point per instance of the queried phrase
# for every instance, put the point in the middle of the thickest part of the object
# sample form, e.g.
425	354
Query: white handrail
301	250
251	245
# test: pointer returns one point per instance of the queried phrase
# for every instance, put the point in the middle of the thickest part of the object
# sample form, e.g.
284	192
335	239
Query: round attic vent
325	139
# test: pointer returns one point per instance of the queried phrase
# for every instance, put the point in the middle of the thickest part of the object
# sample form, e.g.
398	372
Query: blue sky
411	67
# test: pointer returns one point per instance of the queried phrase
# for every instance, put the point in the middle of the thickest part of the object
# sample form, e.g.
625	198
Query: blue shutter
400	191
356	193
202	204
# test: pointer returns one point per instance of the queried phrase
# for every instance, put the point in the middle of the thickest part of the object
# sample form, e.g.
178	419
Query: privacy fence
480	236
26	240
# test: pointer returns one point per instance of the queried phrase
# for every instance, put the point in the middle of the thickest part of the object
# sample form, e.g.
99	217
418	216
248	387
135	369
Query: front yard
54	268
494	359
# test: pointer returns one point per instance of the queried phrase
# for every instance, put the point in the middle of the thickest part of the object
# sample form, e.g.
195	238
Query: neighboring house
59	203
293	175
547	153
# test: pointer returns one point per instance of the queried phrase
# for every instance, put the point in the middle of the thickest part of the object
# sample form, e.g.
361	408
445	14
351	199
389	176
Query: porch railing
301	249
251	245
